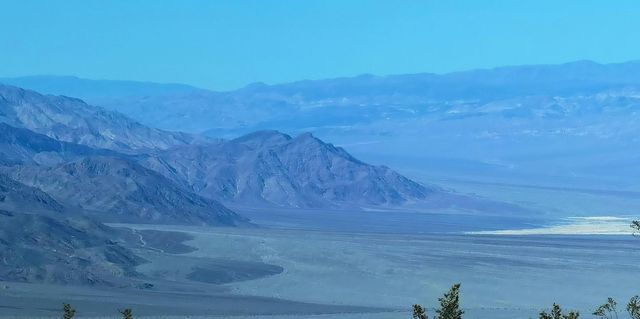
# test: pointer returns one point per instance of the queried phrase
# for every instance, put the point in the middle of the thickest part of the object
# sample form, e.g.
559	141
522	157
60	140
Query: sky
223	45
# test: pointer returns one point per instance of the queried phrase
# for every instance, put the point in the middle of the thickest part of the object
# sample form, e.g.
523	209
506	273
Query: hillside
121	190
22	146
38	248
17	196
72	120
270	167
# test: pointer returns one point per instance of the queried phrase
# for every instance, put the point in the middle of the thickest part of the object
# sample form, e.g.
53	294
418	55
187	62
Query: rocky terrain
23	146
90	159
58	250
72	120
120	190
269	167
17	196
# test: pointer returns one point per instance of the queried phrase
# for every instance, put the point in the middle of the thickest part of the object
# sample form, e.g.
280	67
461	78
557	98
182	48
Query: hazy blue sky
227	44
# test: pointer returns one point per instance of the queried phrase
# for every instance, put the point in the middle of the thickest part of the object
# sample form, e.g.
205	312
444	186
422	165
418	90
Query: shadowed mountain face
121	190
71	120
38	248
15	195
22	146
274	168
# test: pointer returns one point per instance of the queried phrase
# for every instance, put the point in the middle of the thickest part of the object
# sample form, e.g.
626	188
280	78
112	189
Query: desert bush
126	313
68	311
419	312
633	307
607	310
556	313
449	306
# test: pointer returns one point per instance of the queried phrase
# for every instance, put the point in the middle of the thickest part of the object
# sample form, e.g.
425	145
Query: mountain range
66	167
348	100
63	145
487	125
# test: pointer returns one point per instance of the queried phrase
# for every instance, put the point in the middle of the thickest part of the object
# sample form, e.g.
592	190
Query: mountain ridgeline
521	91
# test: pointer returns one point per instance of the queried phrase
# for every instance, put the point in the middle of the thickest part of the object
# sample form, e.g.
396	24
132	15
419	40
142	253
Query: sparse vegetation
633	307
68	311
419	312
449	306
126	313
607	310
556	313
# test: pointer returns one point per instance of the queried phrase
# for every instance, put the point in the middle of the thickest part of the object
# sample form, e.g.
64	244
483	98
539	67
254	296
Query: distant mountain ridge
558	78
473	124
84	88
479	84
349	100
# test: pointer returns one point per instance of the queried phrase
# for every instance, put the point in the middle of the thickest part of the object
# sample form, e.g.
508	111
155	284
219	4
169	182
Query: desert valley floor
292	272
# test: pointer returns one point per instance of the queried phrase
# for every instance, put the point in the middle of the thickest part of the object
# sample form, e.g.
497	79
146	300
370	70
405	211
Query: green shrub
68	311
419	312
556	313
126	313
633	307
449	306
607	310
